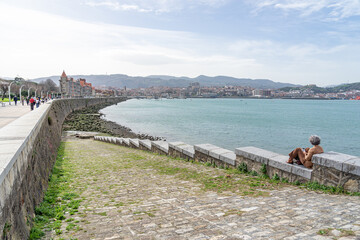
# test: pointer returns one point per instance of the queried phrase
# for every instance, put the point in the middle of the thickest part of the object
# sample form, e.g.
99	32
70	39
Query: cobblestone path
133	194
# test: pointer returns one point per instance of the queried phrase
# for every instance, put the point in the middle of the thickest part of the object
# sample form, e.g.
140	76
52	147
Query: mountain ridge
122	80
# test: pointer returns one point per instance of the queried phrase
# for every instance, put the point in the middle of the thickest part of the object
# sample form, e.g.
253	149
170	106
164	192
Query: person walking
27	101
32	103
37	102
15	100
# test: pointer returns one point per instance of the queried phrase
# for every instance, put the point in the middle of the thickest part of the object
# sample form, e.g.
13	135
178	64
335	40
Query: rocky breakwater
91	120
28	149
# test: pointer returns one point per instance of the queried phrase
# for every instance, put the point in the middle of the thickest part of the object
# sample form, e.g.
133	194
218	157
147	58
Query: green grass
59	199
343	232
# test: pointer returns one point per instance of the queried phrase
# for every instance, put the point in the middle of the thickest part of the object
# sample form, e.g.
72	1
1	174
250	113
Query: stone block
119	141
215	153
279	162
228	157
352	166
205	148
331	159
256	154
188	150
126	141
113	140
135	142
146	143
176	145
162	145
301	171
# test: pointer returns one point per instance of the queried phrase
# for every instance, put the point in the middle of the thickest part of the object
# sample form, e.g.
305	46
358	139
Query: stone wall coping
162	145
352	166
15	135
113	140
339	161
176	145
215	153
228	157
135	141
146	143
119	140
280	162
188	150
255	154
126	141
205	148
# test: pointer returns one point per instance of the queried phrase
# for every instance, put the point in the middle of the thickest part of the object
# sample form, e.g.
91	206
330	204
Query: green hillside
316	89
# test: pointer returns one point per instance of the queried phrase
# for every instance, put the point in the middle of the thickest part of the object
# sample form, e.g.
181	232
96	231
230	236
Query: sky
292	41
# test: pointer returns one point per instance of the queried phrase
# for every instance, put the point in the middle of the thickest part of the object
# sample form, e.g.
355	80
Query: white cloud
328	9
118	6
38	44
157	6
35	44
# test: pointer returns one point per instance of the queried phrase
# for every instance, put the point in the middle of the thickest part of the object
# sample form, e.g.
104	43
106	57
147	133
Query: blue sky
302	42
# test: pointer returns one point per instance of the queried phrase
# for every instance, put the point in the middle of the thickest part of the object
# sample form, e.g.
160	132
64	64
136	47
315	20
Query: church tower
63	84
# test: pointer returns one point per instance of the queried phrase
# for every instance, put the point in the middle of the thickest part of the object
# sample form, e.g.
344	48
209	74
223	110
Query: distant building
71	88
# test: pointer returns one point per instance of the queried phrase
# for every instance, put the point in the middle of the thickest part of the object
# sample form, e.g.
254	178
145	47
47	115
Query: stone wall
28	149
332	169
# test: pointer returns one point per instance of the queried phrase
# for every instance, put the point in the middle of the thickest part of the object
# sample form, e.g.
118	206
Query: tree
48	85
4	87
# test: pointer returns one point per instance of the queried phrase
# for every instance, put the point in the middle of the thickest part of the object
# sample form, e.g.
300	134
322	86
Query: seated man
305	156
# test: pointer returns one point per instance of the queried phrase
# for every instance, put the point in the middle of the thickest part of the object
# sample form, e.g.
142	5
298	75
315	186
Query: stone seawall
28	148
330	169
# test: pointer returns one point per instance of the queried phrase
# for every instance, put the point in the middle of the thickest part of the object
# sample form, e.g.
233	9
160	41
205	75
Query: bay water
277	125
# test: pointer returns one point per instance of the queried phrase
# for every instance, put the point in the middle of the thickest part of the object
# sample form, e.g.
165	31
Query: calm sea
273	124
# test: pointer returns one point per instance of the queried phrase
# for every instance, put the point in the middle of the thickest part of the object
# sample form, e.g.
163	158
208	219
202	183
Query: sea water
277	125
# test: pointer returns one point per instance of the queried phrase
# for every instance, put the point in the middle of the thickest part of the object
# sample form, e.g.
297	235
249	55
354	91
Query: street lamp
20	93
15	81
29	92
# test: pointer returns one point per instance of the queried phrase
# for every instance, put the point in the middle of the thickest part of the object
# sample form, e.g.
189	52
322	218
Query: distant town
194	90
70	87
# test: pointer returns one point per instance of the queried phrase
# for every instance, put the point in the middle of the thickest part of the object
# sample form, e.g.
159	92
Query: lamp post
20	92
10	92
29	92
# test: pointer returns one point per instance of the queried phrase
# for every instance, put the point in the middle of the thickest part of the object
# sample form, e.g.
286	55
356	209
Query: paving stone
160	206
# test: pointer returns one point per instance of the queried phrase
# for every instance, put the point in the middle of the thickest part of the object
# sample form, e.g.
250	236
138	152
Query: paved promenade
132	194
11	112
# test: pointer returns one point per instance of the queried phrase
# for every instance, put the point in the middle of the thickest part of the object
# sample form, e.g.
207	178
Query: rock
352	185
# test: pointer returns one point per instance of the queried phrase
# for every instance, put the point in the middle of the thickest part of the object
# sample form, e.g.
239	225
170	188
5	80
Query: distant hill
121	80
334	89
